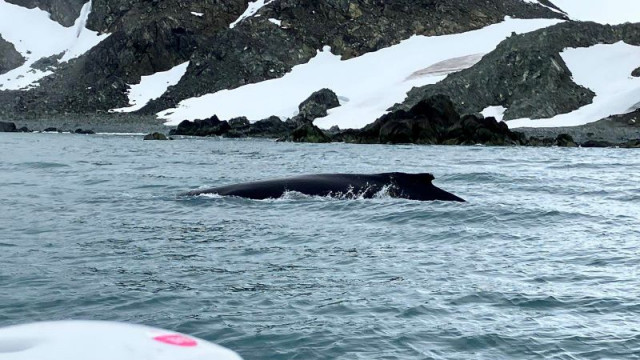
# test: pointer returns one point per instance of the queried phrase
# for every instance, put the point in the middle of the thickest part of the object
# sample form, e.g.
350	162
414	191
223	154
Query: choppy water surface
543	260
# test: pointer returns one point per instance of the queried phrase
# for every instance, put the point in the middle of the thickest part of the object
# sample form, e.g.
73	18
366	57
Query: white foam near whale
96	340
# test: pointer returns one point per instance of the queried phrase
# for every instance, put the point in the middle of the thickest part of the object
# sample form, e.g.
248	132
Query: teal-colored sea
543	261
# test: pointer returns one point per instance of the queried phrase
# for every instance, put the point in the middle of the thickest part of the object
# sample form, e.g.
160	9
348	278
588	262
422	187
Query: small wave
43	165
120	134
476	177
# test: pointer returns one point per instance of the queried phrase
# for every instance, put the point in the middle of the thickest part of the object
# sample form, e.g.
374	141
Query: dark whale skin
399	185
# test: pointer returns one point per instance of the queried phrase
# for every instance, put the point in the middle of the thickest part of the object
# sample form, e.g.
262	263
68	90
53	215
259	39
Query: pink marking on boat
176	340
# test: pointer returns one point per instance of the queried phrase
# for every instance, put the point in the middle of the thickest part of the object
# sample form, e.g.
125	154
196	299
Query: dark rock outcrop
316	105
155	136
212	126
308	133
10	58
597	144
7	127
434	121
562	140
152	36
239	123
84	132
257	50
146	37
565	140
631	144
526	73
271	127
636	72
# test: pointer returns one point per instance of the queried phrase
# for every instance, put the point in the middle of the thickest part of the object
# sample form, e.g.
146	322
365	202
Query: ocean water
543	261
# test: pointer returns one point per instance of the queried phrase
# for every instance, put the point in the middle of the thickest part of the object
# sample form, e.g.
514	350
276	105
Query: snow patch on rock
36	36
372	82
494	111
606	70
611	12
152	87
252	9
85	39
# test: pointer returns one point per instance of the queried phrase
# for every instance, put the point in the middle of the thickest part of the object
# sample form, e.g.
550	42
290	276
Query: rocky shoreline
591	135
433	121
98	123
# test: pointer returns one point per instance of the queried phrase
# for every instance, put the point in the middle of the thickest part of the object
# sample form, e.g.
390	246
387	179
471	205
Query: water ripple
540	263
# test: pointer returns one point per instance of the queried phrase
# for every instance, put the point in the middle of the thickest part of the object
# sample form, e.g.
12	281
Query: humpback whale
396	184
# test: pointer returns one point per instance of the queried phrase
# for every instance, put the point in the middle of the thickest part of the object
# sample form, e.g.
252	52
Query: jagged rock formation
434	121
10	58
152	36
257	49
526	73
316	105
146	37
7	127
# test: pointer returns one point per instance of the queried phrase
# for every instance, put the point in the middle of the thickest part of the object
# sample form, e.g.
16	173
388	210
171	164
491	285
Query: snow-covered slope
606	70
602	11
152	87
36	36
367	85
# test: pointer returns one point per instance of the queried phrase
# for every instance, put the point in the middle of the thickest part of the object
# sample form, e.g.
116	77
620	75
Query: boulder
435	121
565	140
316	105
84	132
208	127
155	136
309	133
7	127
239	123
597	144
271	127
631	144
474	129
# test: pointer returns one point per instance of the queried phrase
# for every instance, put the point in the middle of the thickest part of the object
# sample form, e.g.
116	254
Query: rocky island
427	72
